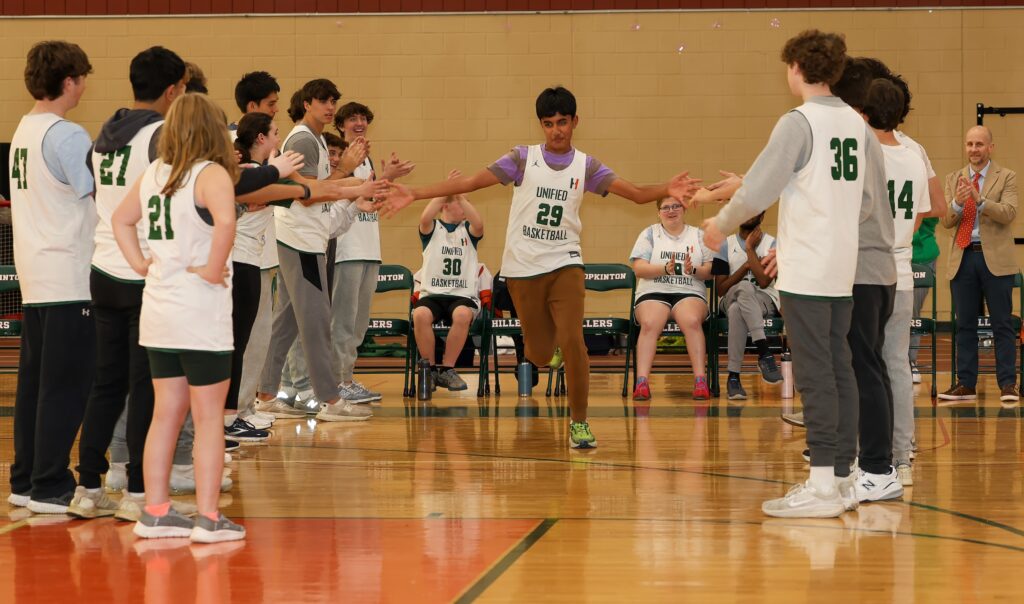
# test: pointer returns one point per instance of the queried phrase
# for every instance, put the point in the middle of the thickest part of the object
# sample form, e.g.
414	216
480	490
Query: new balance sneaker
374	396
209	531
116	479
132	506
307	403
451	380
170	525
19	501
805	501
91	504
183	480
915	374
847	488
769	370
794	419
243	431
701	392
343	411
642	392
879	487
51	505
905	472
354	394
279	409
580	436
735	389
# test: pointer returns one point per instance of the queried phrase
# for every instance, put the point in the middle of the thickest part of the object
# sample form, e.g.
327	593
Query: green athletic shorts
198	367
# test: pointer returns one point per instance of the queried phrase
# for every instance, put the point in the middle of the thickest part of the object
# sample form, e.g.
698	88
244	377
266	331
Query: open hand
399	197
288	162
211	274
395	168
713	238
770	264
682	187
354	155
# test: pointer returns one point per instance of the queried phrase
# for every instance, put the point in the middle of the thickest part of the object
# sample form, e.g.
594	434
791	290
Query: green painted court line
511	556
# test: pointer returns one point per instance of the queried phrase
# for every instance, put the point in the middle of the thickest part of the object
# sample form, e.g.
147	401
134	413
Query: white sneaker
279	409
879	487
130	508
906	474
343	411
117	477
260	421
183	480
914	373
848	491
805	501
18	501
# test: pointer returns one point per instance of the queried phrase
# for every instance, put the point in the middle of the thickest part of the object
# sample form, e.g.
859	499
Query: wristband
306	194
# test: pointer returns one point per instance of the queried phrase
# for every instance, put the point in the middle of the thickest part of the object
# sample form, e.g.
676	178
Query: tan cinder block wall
457	91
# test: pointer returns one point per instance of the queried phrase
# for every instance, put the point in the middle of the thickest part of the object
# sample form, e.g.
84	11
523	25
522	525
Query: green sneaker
580	436
556	359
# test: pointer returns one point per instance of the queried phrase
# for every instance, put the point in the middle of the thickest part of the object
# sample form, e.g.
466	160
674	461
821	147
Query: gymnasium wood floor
465	499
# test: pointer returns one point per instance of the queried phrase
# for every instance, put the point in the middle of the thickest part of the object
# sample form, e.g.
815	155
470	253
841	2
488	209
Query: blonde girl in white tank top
191	372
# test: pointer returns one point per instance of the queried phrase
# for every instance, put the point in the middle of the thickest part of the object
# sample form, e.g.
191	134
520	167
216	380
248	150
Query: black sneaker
230	445
735	390
769	370
244	431
51	505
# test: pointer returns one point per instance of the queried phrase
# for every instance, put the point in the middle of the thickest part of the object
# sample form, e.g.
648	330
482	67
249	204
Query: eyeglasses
672	208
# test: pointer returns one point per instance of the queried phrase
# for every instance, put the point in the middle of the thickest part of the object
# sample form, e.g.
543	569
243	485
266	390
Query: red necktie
963	234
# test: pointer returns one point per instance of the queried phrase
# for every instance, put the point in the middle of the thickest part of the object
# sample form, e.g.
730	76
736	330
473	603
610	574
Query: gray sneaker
279	408
794	419
307	403
208	531
91	505
735	390
769	370
170	525
354	393
451	380
51	505
343	411
374	396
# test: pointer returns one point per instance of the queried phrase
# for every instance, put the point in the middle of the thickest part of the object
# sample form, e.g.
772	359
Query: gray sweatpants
920	293
354	285
897	362
823	369
182	450
303	311
259	340
746	306
295	374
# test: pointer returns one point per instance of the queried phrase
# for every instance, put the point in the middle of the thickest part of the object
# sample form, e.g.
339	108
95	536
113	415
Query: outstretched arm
681	187
476	222
401	196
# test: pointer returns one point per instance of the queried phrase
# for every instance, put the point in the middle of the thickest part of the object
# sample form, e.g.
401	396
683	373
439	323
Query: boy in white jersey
748	297
124	149
907	180
671	265
357	261
827	166
53	218
448	279
543	261
303	295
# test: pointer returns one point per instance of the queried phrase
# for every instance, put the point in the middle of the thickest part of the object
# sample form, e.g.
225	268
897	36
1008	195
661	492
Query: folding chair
924	278
394	277
9	282
774	331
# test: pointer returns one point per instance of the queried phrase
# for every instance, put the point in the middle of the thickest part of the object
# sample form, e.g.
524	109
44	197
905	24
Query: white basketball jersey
819	209
304	228
53	227
180	310
449	263
738	255
362	241
665	246
544	223
251	235
907	178
115	173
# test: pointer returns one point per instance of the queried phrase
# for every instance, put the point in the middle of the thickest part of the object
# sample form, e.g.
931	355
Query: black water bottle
524	371
423	385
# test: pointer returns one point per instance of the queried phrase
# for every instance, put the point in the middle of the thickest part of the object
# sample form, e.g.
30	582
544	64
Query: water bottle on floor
423	379
524	371
787	375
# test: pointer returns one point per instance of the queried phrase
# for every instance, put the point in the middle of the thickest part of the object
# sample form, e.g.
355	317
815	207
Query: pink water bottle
787	375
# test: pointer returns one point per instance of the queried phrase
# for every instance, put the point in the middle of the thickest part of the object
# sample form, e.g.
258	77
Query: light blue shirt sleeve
65	148
644	246
723	251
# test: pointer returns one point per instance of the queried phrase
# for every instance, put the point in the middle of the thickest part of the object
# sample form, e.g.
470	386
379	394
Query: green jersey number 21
160	218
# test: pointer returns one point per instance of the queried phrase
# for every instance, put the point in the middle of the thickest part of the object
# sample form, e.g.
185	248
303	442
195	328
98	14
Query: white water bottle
787	375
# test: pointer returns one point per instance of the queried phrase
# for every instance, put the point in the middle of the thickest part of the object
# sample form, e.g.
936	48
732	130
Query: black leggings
245	299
